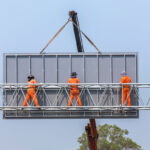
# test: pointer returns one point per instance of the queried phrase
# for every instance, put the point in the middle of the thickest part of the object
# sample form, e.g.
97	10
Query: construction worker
126	89
31	91
74	91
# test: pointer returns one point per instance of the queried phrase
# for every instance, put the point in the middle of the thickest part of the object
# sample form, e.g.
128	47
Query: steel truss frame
99	109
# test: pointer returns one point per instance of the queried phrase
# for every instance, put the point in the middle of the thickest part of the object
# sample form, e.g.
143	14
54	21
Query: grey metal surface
104	70
50	66
83	114
56	68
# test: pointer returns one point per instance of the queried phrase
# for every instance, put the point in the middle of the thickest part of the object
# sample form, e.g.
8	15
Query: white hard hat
123	73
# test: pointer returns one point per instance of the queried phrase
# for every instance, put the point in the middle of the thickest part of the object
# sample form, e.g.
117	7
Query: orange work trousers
31	93
74	93
126	96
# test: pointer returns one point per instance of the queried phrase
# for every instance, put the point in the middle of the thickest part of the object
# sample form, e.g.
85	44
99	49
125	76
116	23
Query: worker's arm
129	80
122	80
34	82
69	82
78	81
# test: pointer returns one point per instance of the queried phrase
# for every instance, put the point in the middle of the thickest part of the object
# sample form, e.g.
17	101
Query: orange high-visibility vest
125	79
73	80
32	82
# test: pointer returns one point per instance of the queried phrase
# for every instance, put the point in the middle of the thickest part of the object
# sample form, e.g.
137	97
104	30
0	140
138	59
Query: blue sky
114	26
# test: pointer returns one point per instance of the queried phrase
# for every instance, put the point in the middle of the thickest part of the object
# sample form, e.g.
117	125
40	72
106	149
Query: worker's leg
34	97
128	97
124	96
78	100
27	99
70	99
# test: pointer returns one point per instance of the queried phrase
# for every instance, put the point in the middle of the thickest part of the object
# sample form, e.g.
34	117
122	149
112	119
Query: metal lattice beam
99	100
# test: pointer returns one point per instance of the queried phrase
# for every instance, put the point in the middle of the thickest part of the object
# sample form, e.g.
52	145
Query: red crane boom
92	134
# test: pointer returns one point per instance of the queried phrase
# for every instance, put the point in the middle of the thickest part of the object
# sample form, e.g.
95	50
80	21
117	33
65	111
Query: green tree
111	137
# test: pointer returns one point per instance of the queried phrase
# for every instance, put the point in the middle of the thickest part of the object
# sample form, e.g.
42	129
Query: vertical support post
111	71
16	80
111	68
124	63
57	66
29	64
43	69
98	68
70	64
84	80
16	69
136	68
122	95
5	68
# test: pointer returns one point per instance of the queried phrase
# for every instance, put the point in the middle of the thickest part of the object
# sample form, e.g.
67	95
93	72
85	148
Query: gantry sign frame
99	75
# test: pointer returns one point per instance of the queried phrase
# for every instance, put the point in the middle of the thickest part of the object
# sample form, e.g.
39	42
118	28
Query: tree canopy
111	137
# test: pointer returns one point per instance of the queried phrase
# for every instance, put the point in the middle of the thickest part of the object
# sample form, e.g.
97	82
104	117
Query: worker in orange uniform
74	91
31	91
126	89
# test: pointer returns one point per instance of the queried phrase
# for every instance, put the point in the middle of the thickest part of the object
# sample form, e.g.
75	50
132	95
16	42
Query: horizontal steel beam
87	53
74	108
81	85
